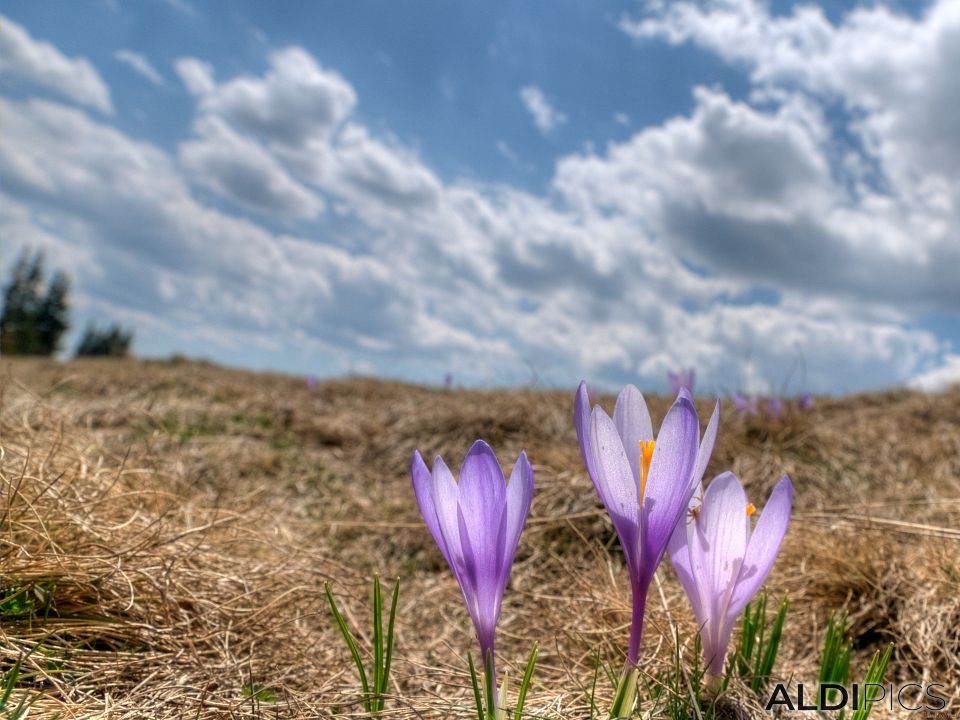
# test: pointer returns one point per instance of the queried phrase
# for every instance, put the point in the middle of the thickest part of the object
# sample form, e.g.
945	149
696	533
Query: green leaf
476	687
351	644
875	673
377	641
525	683
490	685
388	660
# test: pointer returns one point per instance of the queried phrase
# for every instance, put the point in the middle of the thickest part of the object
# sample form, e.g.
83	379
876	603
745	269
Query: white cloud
641	258
545	116
241	170
39	63
939	378
139	64
296	101
196	75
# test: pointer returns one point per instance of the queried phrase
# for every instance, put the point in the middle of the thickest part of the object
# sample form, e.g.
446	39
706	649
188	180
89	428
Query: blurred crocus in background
773	406
805	402
311	382
684	379
476	523
744	404
645	486
721	564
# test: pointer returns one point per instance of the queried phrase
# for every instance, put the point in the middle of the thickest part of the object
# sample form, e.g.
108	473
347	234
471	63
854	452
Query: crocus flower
805	401
681	380
476	523
774	407
644	484
311	382
721	563
744	404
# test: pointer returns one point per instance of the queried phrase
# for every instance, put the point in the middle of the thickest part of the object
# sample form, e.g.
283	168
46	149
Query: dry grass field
168	527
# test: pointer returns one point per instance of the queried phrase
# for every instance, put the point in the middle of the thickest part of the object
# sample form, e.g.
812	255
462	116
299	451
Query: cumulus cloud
545	116
196	75
139	64
241	170
39	63
638	259
939	378
297	100
877	220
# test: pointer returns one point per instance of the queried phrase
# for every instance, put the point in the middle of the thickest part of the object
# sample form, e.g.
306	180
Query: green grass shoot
374	697
875	672
759	643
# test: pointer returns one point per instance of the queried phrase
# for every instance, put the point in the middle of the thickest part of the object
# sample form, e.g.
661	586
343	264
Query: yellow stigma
751	509
646	455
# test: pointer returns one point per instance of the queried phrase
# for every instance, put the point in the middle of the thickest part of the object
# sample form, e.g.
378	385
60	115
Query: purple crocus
744	404
645	485
476	523
311	382
720	563
774	407
681	380
805	402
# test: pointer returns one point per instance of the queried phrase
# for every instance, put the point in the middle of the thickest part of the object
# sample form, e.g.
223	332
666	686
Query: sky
508	192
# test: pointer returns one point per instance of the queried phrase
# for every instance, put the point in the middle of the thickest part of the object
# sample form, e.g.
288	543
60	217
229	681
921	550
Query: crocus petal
445	503
615	483
679	550
668	488
481	567
423	489
724	523
633	423
718	546
764	545
482	500
706	446
519	495
581	421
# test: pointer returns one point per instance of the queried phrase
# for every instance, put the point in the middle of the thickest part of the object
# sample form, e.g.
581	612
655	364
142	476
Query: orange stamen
751	509
646	456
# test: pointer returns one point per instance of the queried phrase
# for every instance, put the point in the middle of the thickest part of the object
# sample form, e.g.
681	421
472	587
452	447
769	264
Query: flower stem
636	625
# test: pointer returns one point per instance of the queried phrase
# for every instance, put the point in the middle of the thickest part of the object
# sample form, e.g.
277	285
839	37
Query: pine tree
110	342
22	298
53	318
32	322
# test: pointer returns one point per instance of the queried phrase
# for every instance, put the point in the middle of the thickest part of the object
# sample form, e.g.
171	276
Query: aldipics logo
928	697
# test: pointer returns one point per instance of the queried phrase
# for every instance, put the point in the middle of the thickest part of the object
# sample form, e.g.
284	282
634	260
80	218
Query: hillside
168	528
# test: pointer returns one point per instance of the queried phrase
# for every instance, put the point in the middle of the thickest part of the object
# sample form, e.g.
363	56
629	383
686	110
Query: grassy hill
168	527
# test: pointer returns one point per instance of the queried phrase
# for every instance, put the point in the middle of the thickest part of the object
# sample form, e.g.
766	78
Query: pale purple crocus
774	407
476	523
744	404
721	564
644	485
311	382
681	380
805	402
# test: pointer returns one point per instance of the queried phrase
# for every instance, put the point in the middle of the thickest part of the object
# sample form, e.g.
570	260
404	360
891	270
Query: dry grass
167	529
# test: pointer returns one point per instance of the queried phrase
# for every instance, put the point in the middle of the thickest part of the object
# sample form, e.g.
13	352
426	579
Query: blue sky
767	192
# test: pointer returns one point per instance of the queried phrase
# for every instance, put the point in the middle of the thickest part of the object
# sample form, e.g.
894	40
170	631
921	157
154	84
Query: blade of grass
377	641
351	644
490	684
476	687
388	660
875	673
525	683
767	656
